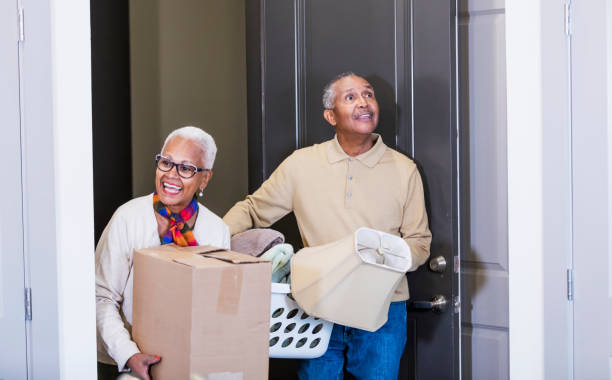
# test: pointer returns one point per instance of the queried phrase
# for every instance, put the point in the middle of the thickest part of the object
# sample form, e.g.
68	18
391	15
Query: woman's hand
140	363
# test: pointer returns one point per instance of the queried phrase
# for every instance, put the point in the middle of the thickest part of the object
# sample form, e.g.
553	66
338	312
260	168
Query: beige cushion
351	281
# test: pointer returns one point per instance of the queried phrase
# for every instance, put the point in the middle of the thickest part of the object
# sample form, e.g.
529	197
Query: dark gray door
406	49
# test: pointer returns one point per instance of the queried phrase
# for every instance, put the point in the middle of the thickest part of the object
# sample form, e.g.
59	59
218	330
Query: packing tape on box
230	290
218	376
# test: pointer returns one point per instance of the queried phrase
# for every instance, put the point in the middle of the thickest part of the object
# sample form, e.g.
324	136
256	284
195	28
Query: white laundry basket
293	333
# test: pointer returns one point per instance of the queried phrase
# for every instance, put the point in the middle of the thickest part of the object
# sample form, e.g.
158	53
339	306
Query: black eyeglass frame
158	157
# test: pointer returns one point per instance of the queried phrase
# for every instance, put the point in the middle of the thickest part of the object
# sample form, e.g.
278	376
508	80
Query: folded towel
256	241
280	255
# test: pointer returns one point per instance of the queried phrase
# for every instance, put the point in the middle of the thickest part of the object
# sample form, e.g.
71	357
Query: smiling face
174	191
355	109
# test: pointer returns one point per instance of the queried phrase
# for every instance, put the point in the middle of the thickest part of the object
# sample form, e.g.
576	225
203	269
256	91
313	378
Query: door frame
57	188
591	104
13	362
539	189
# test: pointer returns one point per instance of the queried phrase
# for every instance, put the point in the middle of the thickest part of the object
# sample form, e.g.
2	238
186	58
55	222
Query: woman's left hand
140	363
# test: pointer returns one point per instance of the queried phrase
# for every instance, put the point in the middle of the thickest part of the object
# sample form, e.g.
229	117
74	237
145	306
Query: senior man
353	180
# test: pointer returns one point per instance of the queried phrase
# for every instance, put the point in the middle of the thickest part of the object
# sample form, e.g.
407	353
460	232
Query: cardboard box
205	311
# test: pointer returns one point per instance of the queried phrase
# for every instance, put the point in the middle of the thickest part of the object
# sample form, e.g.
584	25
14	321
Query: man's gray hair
329	94
201	138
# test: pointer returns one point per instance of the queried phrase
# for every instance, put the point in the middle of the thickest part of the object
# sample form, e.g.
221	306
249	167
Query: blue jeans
368	355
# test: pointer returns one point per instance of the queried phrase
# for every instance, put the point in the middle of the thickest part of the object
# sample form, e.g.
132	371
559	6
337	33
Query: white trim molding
58	189
539	189
73	158
525	188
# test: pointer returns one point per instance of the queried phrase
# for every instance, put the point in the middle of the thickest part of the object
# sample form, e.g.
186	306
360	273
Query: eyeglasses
184	170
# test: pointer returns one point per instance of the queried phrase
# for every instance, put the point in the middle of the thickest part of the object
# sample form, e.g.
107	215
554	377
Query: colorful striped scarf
179	232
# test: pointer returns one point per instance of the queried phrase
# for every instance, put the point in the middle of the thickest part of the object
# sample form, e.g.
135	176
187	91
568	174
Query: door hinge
570	284
456	264
21	25
567	15
28	304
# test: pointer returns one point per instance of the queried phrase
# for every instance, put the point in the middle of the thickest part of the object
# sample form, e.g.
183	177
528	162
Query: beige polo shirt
333	194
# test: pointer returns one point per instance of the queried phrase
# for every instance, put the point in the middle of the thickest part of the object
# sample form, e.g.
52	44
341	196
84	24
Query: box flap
197	261
200	256
231	257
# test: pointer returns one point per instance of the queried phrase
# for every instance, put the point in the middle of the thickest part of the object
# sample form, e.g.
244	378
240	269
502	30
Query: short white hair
201	138
329	92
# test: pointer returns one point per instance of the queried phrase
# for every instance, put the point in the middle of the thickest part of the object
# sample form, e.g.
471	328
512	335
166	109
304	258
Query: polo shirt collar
335	153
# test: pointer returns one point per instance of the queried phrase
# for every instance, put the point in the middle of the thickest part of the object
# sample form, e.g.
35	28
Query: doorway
174	71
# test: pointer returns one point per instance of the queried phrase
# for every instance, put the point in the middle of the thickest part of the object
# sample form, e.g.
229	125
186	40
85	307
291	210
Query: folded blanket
256	241
280	255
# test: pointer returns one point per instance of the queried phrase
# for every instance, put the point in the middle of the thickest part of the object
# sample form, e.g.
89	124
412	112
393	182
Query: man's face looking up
355	107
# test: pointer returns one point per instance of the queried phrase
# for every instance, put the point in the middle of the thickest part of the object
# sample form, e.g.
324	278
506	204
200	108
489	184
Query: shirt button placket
349	184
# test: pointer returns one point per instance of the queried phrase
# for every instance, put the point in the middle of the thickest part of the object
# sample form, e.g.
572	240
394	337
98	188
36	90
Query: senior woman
170	215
